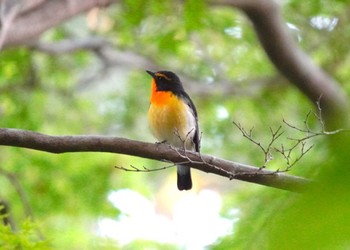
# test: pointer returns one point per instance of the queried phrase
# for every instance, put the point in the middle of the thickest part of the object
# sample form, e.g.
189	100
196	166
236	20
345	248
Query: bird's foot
160	142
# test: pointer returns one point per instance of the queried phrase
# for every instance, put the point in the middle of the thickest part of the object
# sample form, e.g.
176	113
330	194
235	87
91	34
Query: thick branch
160	152
289	59
112	57
28	25
69	46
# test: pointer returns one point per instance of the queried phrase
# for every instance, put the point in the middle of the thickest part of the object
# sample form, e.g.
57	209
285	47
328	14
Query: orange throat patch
159	97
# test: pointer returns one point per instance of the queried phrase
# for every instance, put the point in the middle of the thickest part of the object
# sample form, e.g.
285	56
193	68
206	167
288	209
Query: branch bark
43	15
160	152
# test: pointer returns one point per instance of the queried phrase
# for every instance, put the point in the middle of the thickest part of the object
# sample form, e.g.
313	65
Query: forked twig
265	149
301	142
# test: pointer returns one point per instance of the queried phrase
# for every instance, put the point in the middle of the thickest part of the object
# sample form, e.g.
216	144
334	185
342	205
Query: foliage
211	44
27	238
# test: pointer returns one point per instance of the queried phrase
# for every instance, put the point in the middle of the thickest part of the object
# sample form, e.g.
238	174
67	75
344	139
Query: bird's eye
159	78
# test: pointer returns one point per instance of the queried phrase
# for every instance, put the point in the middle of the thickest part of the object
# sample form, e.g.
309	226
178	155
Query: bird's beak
150	72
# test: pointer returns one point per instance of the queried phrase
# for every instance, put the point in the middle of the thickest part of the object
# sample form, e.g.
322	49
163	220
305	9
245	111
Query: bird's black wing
187	99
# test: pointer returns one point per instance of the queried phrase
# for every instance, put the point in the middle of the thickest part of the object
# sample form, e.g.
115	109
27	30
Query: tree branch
160	152
8	12
71	45
289	59
44	15
112	57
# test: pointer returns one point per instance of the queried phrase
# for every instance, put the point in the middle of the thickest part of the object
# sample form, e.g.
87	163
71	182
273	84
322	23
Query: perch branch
160	152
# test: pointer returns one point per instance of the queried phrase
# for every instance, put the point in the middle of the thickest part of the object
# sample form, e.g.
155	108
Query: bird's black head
167	81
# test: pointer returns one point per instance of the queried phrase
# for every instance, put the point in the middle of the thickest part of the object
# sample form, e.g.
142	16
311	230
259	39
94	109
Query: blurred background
80	200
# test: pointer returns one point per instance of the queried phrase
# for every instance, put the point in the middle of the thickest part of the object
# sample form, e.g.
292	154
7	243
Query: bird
173	119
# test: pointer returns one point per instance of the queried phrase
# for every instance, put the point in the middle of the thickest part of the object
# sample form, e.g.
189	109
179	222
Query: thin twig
300	142
144	169
266	150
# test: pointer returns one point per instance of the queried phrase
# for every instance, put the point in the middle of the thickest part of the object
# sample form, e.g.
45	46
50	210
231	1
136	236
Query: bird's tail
184	181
